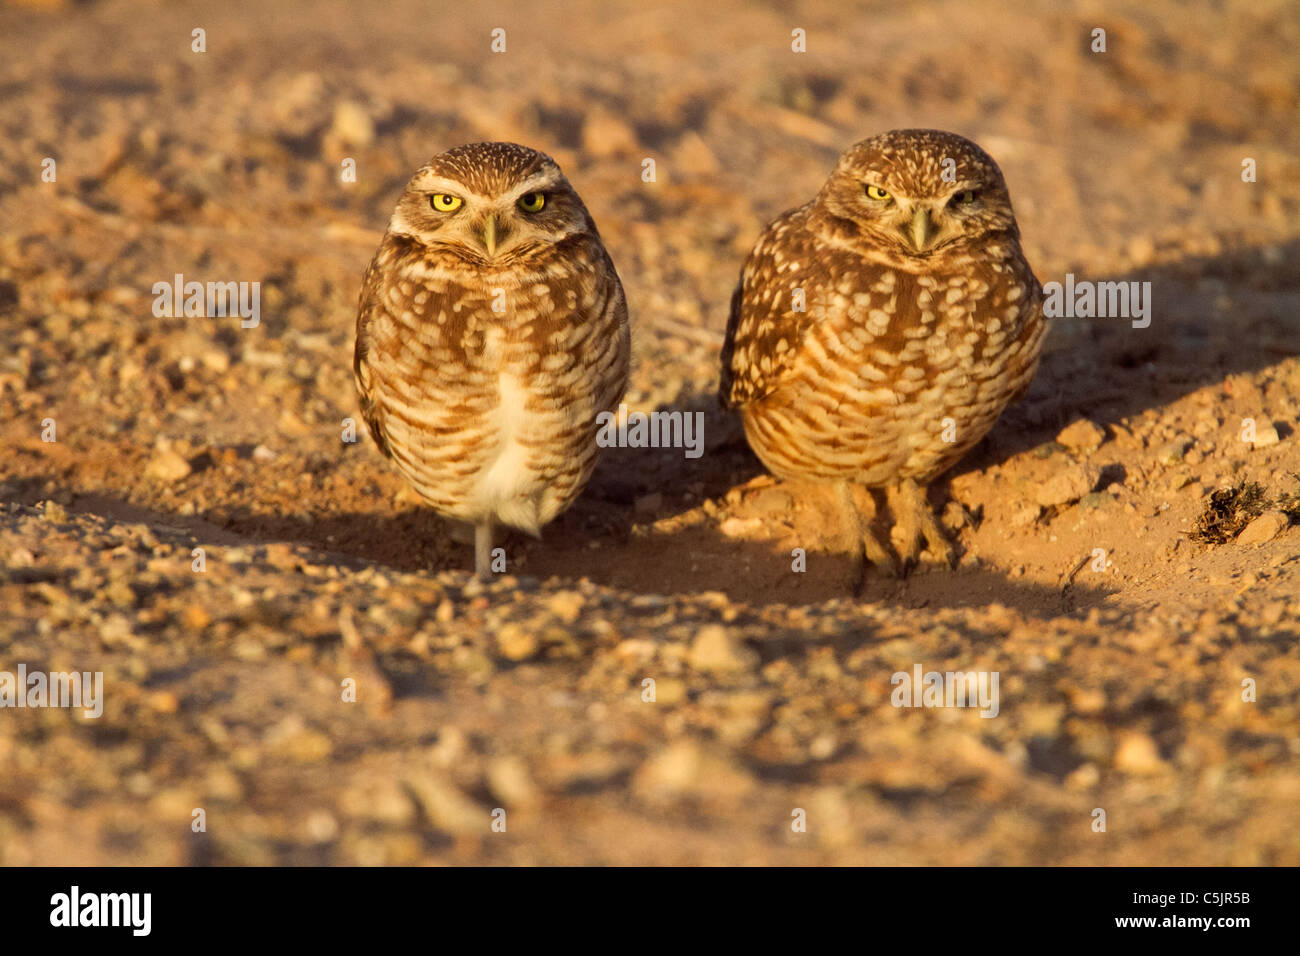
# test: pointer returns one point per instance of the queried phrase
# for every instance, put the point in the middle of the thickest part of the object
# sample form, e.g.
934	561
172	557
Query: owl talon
867	548
916	523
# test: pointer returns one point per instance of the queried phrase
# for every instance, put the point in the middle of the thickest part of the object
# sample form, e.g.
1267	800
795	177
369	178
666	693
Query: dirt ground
1122	640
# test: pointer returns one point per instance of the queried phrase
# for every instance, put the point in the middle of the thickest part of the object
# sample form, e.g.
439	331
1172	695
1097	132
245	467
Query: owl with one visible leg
492	331
879	330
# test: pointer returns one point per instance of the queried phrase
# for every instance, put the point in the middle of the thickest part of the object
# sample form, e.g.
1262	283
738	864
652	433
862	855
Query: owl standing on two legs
492	330
878	331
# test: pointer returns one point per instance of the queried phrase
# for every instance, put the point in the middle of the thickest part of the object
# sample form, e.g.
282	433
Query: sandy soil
1121	682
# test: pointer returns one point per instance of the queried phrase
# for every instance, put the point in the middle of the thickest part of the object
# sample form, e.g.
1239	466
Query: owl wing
372	412
764	331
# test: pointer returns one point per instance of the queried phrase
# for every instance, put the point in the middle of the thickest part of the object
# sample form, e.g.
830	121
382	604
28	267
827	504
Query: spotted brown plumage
920	321
490	334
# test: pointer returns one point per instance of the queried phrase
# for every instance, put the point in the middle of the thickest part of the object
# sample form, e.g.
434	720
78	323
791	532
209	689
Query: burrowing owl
492	330
878	331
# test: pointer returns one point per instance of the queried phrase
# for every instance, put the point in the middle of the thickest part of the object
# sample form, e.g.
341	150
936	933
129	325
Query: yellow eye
444	202
878	194
964	198
532	202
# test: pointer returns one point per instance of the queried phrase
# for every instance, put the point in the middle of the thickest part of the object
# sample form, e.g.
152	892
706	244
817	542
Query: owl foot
867	547
915	522
483	549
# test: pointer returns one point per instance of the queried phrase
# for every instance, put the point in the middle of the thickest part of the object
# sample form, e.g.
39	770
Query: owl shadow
1211	317
659	521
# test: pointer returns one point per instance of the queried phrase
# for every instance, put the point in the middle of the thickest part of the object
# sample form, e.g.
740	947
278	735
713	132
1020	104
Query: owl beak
920	230
490	235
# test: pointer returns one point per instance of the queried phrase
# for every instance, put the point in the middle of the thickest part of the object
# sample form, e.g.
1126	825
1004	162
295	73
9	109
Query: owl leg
865	543
916	522
483	549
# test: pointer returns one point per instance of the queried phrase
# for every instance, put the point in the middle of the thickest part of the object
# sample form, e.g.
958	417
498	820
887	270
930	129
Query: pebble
514	643
166	465
1084	777
352	124
1068	485
446	807
509	782
566	605
716	649
1266	436
1082	435
685	769
1172	452
1264	528
668	691
741	527
1137	753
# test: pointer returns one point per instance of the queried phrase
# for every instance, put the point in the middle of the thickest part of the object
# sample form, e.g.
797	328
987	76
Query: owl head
492	204
917	194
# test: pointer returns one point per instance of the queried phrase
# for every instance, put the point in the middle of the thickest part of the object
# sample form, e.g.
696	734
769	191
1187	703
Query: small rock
1069	485
508	779
741	527
1172	452
1141	250
516	644
669	691
1084	777
445	807
566	605
685	769
163	702
166	465
1137	754
1264	528
352	124
1082	435
1087	701
195	617
55	512
717	649
1265	436
381	798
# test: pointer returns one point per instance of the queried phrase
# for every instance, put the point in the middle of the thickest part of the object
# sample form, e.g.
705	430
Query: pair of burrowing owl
876	334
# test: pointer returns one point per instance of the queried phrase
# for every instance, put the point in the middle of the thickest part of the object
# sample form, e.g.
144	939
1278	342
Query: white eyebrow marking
438	184
539	181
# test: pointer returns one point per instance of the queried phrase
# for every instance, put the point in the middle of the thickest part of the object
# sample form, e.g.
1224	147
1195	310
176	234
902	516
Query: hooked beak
920	230
490	235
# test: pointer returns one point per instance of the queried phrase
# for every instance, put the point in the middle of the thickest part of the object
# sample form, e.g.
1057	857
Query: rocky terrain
292	645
